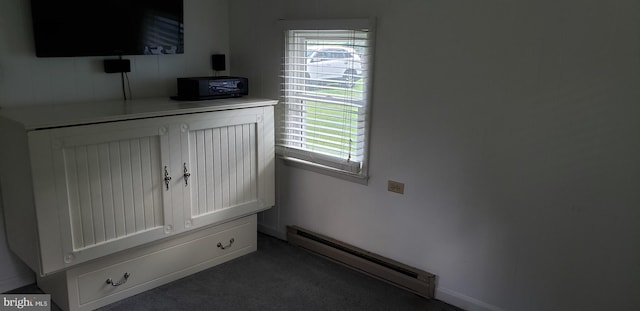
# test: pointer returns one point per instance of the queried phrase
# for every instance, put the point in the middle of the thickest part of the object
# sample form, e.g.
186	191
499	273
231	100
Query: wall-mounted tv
66	28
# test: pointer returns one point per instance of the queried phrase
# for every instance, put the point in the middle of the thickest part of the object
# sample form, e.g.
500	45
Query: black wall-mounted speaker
117	65
218	62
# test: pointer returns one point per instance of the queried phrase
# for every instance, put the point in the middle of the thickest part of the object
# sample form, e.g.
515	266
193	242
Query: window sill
325	170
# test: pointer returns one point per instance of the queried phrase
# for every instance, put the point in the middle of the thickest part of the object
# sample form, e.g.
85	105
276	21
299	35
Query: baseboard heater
415	280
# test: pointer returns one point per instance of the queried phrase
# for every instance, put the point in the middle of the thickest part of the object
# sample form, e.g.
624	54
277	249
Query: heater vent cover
412	279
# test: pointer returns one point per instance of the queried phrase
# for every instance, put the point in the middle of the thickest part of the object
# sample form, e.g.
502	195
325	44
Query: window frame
314	161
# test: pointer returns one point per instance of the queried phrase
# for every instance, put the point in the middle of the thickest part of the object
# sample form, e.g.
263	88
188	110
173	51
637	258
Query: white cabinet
122	184
83	183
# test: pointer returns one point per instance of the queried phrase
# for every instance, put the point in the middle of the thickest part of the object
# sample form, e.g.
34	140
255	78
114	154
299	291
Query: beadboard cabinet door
227	159
107	187
100	189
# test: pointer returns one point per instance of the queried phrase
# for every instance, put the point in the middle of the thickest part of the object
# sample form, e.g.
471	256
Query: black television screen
64	28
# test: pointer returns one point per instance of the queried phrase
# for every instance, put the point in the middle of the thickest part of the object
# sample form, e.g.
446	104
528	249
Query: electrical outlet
395	186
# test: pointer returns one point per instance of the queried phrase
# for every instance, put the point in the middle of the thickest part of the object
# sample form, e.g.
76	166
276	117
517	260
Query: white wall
515	126
13	273
27	80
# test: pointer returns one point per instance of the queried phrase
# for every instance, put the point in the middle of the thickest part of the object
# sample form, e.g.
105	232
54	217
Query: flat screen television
67	28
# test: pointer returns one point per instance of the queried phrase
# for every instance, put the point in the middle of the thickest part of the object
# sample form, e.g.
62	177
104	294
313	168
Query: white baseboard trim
463	301
16	282
272	232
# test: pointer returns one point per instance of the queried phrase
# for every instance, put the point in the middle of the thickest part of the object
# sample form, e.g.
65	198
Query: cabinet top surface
51	116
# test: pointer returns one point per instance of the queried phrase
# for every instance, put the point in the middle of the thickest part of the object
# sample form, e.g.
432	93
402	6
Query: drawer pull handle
227	246
124	279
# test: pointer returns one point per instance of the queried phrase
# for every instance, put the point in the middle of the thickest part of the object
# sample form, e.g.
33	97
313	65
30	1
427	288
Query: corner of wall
16	281
14	273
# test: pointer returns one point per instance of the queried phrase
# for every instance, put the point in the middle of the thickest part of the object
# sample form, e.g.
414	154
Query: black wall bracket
117	65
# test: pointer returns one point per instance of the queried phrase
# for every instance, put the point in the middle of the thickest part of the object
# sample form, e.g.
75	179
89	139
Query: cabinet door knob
186	175
167	178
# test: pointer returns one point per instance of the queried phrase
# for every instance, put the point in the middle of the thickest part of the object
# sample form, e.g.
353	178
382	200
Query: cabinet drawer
201	250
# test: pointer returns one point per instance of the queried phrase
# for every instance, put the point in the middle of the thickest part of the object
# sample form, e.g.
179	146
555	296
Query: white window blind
324	108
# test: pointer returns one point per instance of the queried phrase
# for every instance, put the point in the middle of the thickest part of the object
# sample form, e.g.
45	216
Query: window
324	108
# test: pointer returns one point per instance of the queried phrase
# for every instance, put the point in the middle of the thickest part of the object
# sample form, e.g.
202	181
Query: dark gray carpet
278	276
